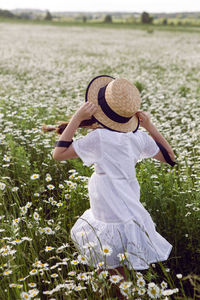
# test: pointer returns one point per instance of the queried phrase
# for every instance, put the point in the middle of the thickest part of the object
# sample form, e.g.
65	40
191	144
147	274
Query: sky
105	5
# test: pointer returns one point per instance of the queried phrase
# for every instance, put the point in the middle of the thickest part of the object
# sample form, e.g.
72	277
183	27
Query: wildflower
7	272
72	273
35	176
94	286
179	276
48	248
79	288
163	285
59	204
33	293
15	189
32	284
82	276
115	278
54	275
74	262
139	275
106	250
153	291
141	291
28	204
48	230
103	274
36	194
82	259
2	186
61	186
125	285
50	186
23	210
6	158
33	272
25	295
36	216
48	178
12	285
67	196
140	282
100	264
122	256
167	292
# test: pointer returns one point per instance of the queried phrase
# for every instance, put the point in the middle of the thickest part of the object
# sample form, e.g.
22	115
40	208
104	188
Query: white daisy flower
103	274
163	285
72	273
82	276
48	248
25	295
115	278
153	291
2	186
54	275
33	272
32	284
50	186
82	259
7	272
35	176
106	250
141	291
125	285
33	293
141	282
74	262
36	216
179	276
15	189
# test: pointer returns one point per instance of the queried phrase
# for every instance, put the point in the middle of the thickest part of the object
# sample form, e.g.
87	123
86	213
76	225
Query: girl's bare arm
156	135
85	112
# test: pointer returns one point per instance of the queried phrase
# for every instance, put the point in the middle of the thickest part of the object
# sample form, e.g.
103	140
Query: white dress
117	224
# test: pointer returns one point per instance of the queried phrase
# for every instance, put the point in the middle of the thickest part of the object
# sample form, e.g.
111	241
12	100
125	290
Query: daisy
115	278
163	285
33	272
72	273
82	259
15	189
50	186
33	293
48	178
36	216
35	176
179	276
141	291
141	282
61	186
100	264
25	295
48	248
74	262
106	250
125	285
7	272
82	276
32	284
153	291
54	275
103	274
122	256
48	230
12	285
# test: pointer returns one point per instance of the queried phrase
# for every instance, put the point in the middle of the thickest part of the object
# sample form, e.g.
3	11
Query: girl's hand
144	119
86	111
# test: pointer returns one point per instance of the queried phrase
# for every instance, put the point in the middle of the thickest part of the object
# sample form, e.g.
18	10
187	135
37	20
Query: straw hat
118	101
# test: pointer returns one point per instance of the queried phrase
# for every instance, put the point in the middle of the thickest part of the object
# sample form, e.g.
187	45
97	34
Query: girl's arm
156	135
85	112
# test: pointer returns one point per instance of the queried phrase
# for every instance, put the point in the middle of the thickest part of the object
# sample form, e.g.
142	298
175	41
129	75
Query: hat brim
92	96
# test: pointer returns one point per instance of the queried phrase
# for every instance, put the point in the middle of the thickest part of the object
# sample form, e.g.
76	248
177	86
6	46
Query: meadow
44	71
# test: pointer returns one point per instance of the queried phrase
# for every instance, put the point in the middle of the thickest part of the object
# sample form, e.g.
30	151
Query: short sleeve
88	148
149	147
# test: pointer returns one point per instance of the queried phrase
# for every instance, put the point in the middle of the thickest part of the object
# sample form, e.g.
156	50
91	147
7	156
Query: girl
116	230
